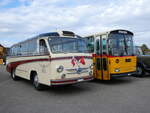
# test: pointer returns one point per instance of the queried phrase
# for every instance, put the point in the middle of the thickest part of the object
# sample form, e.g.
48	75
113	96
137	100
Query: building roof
1	45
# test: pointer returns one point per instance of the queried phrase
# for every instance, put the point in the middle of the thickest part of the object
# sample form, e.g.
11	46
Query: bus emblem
77	60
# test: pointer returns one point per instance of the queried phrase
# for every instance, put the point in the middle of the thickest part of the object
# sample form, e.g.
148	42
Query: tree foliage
145	48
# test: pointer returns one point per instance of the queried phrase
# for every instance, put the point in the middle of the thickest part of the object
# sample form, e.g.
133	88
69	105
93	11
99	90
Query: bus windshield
67	45
120	44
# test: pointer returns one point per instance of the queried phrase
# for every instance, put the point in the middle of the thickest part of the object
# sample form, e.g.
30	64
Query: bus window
24	49
120	44
90	44
43	48
67	45
97	47
32	47
104	44
129	44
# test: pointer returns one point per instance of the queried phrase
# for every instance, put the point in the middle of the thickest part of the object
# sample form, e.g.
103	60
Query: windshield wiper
125	43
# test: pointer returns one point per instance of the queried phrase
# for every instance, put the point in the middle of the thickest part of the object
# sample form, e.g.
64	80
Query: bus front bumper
71	81
122	74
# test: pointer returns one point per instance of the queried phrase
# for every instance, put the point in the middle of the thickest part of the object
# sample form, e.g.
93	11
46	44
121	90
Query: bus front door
101	68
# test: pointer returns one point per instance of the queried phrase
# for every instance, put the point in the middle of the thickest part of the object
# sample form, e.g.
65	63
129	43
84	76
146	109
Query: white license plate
80	80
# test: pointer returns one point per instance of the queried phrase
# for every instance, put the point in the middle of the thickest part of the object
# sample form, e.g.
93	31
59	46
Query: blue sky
22	19
6	4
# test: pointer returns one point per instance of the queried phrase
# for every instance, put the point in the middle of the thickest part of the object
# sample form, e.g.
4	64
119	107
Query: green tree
145	48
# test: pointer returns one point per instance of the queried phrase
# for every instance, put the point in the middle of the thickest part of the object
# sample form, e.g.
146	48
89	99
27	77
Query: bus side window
97	47
104	44
90	44
43	48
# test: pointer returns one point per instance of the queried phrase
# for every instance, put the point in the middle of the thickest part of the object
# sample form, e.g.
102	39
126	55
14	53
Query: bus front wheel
13	75
139	71
36	83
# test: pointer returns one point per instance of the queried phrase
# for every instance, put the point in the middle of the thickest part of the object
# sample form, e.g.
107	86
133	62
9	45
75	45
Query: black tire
140	71
148	71
36	83
13	75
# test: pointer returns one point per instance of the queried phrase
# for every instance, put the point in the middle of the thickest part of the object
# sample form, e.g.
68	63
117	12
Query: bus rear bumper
122	74
71	81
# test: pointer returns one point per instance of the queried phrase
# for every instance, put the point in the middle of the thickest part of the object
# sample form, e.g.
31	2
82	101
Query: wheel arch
141	64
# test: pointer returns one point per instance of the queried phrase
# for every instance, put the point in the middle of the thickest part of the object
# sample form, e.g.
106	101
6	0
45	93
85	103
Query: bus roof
49	34
111	31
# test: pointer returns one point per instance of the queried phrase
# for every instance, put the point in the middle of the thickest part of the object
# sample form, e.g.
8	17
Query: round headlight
60	69
91	67
117	70
63	76
91	73
117	60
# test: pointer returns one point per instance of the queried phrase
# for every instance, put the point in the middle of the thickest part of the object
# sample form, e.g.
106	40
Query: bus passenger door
97	59
104	56
101	59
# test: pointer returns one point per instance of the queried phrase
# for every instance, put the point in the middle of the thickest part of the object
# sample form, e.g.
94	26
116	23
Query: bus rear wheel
36	83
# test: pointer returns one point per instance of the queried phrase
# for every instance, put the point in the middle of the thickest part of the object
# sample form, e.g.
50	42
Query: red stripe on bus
13	65
64	81
77	57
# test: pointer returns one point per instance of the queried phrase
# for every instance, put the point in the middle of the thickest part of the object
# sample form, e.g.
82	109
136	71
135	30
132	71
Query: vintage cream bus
54	58
113	53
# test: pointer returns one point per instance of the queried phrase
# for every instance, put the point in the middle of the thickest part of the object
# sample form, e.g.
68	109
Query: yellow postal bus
113	54
54	58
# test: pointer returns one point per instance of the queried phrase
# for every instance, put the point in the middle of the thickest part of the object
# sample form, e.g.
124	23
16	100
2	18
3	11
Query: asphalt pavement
122	95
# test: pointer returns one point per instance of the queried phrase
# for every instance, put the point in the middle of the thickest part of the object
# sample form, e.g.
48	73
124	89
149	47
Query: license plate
80	80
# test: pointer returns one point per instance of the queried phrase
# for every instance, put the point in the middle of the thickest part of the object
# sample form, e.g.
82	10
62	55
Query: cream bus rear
54	58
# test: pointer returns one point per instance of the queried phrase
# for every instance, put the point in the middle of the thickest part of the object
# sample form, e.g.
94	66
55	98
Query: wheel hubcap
36	81
139	71
13	75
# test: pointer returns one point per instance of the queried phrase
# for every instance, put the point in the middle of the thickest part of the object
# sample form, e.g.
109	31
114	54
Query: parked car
143	62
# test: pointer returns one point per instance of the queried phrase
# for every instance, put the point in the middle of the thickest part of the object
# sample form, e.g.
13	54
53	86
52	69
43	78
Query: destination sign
124	32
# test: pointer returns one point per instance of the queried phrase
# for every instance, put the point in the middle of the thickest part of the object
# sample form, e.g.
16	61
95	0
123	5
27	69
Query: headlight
117	70
63	76
60	69
91	73
117	60
91	67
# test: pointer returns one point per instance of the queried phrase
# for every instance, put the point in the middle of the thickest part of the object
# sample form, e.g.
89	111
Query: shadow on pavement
147	75
62	89
115	81
69	89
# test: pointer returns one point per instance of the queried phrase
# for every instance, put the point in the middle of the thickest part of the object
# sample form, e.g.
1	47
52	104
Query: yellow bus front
122	66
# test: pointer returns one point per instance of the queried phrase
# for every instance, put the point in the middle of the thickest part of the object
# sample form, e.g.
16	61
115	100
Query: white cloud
44	16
